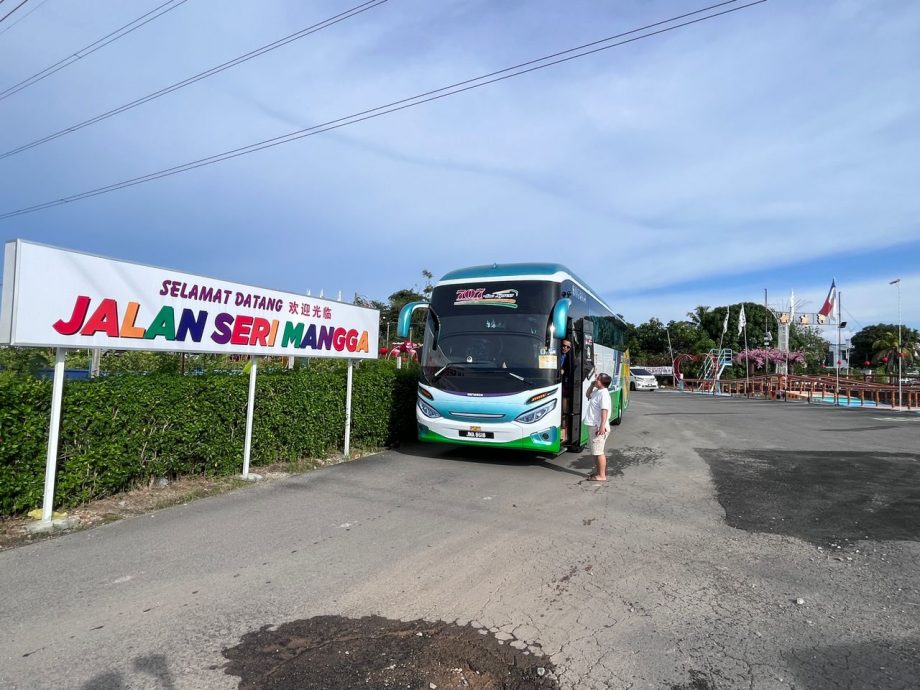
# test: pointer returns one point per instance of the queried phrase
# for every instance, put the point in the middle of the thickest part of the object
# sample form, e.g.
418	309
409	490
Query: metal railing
813	389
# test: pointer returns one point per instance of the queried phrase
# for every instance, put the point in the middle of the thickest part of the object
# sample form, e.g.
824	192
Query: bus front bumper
537	436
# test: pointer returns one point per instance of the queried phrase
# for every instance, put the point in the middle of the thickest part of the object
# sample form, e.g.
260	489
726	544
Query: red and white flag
831	300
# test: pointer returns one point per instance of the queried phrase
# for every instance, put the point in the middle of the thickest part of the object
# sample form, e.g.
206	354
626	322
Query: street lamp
897	281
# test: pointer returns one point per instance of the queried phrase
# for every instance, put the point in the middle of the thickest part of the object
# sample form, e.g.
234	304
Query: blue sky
777	147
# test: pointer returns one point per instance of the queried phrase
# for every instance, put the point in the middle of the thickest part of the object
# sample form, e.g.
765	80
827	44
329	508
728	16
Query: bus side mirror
405	317
561	317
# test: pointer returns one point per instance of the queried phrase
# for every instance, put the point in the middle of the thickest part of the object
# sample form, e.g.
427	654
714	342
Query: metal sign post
53	432
250	405
348	409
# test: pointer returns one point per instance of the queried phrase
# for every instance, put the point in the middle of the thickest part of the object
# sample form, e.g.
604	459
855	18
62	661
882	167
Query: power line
35	7
453	89
169	6
202	75
13	10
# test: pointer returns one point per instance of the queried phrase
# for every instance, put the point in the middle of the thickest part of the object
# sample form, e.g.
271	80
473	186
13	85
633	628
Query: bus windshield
484	354
489	341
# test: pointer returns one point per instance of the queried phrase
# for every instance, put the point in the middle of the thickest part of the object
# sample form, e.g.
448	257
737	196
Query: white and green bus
490	360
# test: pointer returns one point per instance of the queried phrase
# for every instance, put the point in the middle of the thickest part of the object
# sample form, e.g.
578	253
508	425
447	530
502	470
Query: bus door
572	394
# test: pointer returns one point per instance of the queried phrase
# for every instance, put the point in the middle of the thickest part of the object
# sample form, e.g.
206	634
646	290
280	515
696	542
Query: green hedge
120	430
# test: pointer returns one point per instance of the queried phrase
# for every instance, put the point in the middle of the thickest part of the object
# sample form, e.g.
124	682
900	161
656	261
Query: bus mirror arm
560	318
405	317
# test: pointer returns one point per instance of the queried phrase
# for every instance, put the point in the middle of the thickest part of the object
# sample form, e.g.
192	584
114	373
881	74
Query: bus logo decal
479	296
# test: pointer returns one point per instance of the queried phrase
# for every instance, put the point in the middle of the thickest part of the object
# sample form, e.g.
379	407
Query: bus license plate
476	434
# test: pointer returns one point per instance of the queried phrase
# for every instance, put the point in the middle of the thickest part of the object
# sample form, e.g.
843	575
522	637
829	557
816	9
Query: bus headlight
536	413
427	409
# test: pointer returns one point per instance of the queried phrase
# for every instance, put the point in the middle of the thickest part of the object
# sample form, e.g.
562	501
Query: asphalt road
683	571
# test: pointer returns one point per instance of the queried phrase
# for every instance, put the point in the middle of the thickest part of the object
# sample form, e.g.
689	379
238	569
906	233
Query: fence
819	389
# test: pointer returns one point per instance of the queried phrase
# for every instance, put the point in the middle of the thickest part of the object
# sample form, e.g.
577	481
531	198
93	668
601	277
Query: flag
725	325
742	322
828	307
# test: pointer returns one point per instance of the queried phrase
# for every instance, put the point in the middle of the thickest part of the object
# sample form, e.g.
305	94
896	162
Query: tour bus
491	369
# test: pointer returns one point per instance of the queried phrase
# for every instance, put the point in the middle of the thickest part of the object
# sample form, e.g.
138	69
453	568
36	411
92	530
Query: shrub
120	430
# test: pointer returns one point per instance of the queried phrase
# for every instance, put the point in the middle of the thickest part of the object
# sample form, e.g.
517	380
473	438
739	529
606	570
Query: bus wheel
616	421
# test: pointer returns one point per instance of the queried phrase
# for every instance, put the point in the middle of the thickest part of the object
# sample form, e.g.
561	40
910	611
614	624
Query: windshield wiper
519	377
436	375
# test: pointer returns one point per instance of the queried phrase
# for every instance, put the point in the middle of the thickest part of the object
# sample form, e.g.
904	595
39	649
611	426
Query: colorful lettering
104	319
241	328
71	326
163	325
309	340
325	338
261	329
221	334
293	333
189	323
128	329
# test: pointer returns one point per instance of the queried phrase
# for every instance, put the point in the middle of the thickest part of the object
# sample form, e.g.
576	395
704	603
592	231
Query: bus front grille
483	416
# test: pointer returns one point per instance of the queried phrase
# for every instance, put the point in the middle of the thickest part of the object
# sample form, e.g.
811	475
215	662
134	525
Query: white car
641	380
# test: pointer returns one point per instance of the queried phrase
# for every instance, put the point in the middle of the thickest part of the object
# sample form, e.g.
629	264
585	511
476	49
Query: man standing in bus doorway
566	362
597	417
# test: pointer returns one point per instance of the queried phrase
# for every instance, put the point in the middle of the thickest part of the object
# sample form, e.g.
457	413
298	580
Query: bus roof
552	272
555	273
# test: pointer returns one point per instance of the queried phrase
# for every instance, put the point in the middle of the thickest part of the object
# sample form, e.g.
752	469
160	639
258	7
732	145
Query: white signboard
58	298
656	371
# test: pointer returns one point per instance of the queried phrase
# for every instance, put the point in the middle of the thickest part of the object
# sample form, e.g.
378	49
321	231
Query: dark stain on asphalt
698	681
337	653
824	497
877	664
619	460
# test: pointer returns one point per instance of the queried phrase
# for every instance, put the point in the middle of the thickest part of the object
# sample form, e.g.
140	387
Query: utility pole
671	350
897	281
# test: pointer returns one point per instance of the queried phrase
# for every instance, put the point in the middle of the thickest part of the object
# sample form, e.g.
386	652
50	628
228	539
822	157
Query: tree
761	355
389	310
885	351
873	343
810	341
698	316
684	337
389	317
648	343
25	360
427	275
862	341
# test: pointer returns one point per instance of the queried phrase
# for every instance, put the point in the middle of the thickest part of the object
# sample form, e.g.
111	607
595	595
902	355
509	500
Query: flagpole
715	368
837	361
747	363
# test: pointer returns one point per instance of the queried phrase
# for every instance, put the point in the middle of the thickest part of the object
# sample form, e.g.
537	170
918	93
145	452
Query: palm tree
698	315
885	351
910	344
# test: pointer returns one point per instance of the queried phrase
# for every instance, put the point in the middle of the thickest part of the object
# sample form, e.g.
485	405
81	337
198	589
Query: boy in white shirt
597	417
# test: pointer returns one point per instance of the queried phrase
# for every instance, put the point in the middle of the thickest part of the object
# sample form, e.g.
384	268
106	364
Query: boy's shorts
597	442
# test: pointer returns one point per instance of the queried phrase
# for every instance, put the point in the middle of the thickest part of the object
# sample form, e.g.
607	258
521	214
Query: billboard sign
59	298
